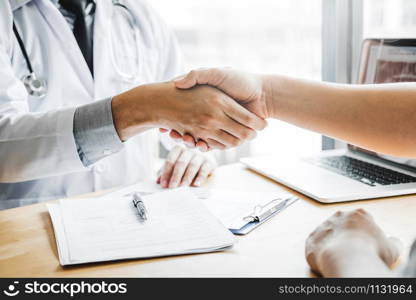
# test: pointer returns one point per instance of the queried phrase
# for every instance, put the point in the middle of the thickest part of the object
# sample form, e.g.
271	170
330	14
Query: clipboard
262	213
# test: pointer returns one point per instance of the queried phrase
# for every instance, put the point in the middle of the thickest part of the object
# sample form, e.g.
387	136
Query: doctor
76	103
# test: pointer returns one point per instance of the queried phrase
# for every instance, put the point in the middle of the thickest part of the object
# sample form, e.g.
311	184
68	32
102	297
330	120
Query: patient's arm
350	244
379	117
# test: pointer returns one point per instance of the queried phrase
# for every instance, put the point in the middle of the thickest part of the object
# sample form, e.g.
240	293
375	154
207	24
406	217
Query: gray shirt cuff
94	132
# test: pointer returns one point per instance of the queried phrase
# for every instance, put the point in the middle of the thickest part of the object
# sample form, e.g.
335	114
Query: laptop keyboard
362	171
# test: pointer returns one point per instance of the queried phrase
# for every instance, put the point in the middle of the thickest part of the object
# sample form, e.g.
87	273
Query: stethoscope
34	86
134	28
38	87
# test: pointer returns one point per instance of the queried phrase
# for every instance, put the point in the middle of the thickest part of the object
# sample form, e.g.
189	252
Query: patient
378	117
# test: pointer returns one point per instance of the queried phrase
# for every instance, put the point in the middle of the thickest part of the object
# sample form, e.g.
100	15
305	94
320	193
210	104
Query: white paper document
230	206
109	228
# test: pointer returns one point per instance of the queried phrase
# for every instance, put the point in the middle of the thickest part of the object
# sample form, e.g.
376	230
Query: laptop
353	173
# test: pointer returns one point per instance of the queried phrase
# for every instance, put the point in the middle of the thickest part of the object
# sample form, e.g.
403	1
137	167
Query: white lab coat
38	155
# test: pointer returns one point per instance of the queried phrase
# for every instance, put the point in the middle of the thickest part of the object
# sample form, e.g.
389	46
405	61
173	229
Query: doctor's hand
351	244
247	89
204	112
185	167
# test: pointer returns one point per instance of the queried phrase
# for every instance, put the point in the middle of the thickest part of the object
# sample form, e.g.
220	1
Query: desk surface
275	249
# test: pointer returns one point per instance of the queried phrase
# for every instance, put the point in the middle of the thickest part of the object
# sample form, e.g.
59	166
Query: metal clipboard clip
265	211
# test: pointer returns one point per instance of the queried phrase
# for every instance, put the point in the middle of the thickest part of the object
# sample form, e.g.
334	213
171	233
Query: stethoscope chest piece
34	86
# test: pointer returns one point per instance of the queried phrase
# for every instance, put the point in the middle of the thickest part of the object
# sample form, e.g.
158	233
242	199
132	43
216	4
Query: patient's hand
246	89
351	244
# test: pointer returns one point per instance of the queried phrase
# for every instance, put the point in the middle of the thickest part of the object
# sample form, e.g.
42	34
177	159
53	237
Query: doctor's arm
97	138
204	112
379	117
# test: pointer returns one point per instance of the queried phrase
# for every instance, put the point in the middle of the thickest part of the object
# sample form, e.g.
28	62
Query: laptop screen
386	61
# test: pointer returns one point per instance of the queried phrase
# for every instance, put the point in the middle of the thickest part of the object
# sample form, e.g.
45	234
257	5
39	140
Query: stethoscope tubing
23	48
127	77
42	90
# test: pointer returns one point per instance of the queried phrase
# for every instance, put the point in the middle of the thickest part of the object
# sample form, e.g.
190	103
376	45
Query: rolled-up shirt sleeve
94	132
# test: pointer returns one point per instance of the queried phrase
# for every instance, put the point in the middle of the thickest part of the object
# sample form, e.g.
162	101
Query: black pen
141	209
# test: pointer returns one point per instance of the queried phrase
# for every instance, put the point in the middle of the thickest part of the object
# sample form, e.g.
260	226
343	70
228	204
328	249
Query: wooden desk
28	249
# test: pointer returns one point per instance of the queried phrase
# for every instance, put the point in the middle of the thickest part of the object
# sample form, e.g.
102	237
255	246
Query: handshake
207	108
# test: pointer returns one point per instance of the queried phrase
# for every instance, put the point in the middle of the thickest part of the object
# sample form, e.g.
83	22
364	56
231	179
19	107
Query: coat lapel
63	33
